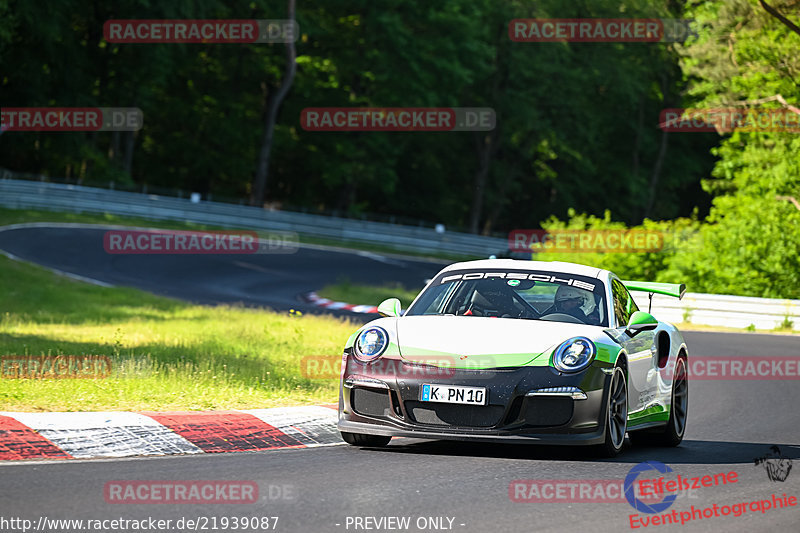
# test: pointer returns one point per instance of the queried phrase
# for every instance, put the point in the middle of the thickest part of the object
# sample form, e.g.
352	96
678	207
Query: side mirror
390	307
640	321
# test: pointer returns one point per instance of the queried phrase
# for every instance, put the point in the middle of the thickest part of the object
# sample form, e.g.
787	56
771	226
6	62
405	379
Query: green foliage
575	121
745	248
679	237
750	243
748	248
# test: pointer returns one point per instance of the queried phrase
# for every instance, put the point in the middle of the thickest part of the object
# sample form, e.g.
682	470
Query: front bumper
385	400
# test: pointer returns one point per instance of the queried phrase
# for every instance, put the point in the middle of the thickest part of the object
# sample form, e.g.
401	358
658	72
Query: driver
569	300
501	300
492	299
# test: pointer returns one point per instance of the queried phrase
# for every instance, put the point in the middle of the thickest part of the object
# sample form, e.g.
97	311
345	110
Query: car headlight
371	343
574	355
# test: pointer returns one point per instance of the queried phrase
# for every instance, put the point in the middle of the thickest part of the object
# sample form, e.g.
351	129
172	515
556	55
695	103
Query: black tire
671	434
616	415
359	439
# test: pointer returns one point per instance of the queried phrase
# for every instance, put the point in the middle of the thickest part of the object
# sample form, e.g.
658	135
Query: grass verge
684	326
165	354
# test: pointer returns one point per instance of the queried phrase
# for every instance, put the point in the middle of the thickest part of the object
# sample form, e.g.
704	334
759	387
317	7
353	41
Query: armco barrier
723	310
21	194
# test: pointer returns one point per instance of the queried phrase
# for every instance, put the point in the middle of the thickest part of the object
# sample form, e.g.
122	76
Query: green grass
166	355
345	291
686	326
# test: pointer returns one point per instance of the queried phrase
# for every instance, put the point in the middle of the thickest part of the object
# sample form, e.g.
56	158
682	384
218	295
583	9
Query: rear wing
676	290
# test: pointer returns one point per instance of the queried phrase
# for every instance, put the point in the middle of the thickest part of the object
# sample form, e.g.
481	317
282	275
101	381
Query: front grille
370	402
546	411
455	415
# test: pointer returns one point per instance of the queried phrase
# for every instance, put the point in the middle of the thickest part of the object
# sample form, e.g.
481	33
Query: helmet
565	293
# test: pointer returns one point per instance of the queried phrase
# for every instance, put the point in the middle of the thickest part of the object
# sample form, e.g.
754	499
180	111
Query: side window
624	305
431	301
632	307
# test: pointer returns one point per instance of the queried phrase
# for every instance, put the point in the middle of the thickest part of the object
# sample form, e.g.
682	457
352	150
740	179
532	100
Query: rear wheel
616	415
359	439
671	434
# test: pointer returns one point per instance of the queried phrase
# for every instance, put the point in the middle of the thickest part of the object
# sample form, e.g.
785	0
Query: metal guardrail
723	310
21	194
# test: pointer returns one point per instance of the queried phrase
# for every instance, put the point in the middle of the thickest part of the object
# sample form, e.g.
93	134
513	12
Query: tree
274	100
778	15
750	243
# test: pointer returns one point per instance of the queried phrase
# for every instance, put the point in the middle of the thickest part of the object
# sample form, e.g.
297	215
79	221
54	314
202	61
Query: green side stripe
654	413
607	354
350	341
474	362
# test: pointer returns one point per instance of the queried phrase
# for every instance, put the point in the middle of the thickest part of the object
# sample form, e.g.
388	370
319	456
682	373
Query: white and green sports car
518	351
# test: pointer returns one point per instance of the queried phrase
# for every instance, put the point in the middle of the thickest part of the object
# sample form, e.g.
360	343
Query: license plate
453	394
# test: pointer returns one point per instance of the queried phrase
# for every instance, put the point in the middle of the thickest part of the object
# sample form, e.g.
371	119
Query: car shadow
689	452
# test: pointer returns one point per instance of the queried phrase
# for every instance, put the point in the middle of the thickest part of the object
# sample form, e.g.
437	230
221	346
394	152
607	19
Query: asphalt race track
459	486
274	280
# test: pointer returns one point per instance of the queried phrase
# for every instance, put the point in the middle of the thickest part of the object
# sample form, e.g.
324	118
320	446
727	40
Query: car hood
482	342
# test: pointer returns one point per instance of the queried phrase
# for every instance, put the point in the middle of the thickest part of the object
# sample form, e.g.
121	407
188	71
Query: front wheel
616	415
359	439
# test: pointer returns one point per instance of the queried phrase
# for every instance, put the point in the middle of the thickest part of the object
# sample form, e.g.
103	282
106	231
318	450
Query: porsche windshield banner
534	276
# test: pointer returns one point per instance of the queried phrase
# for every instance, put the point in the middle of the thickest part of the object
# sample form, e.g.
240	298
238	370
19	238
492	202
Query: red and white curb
314	299
125	434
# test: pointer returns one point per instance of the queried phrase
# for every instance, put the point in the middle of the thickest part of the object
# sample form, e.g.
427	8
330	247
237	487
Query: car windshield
530	295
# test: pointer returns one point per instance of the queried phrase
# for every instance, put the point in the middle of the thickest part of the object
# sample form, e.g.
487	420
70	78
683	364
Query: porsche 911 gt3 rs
518	351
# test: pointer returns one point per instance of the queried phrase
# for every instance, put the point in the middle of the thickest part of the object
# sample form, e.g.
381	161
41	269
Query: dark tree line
577	123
